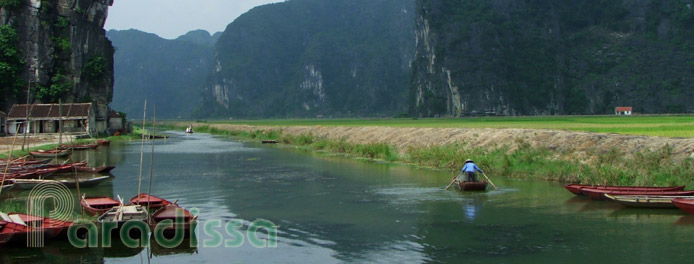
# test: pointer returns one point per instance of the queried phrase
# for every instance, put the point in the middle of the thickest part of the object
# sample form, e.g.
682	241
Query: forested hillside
168	73
307	58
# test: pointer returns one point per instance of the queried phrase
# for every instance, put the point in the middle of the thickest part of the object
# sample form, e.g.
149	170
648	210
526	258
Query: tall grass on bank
647	167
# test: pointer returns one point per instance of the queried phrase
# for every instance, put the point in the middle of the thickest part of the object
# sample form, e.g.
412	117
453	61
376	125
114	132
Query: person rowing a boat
468	172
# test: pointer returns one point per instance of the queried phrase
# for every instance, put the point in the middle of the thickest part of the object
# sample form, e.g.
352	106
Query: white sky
173	18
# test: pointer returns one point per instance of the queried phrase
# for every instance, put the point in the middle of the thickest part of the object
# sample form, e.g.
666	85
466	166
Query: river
331	209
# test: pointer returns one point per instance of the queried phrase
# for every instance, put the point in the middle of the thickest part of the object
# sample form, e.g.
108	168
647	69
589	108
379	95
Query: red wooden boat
6	234
23	162
18	226
149	201
51	153
172	211
597	194
471	186
686	205
98	205
576	188
104	142
101	169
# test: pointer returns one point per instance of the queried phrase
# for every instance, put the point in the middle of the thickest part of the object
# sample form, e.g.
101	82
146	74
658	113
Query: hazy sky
173	18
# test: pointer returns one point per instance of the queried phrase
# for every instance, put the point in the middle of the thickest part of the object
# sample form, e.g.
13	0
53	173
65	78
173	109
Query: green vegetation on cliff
10	63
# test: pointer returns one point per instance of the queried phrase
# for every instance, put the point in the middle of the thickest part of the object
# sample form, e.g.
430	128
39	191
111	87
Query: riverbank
563	156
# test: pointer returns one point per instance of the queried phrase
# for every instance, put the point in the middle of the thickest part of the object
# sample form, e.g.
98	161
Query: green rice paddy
648	125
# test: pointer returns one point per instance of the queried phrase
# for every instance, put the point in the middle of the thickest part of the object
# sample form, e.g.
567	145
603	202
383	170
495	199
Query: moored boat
80	146
119	215
577	188
686	205
471	186
149	201
98	205
51	153
19	225
28	184
100	169
174	213
645	201
597	194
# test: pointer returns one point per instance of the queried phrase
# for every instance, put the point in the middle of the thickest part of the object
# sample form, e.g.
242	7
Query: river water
331	209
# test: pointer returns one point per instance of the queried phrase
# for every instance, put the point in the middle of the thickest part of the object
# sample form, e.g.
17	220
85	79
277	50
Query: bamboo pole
142	149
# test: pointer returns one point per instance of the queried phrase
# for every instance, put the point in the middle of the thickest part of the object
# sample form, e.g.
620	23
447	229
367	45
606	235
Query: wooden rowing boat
472	186
18	226
23	162
98	205
180	217
597	194
119	215
576	188
28	184
80	146
100	169
686	205
104	142
149	201
645	201
270	141
51	153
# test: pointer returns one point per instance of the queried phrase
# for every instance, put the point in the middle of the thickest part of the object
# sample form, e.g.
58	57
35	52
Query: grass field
651	125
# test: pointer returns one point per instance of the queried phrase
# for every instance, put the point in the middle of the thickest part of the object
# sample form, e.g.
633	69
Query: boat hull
471	186
645	201
51	153
686	205
171	212
98	205
577	188
596	194
149	201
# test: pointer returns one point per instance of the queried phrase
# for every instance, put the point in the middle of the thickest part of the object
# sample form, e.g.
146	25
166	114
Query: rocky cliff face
513	57
305	58
65	51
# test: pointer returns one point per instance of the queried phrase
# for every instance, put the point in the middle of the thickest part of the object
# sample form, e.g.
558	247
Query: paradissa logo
168	233
260	233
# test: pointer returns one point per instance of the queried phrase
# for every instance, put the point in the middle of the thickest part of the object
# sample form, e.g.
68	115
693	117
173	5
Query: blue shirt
470	167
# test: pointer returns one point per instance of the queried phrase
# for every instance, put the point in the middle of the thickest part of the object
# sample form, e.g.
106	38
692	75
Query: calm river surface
331	210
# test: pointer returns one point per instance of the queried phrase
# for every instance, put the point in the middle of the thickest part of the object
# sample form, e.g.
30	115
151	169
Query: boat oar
449	185
490	181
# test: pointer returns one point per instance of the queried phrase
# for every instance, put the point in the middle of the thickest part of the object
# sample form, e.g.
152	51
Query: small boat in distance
577	188
646	201
104	142
471	186
270	141
98	205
